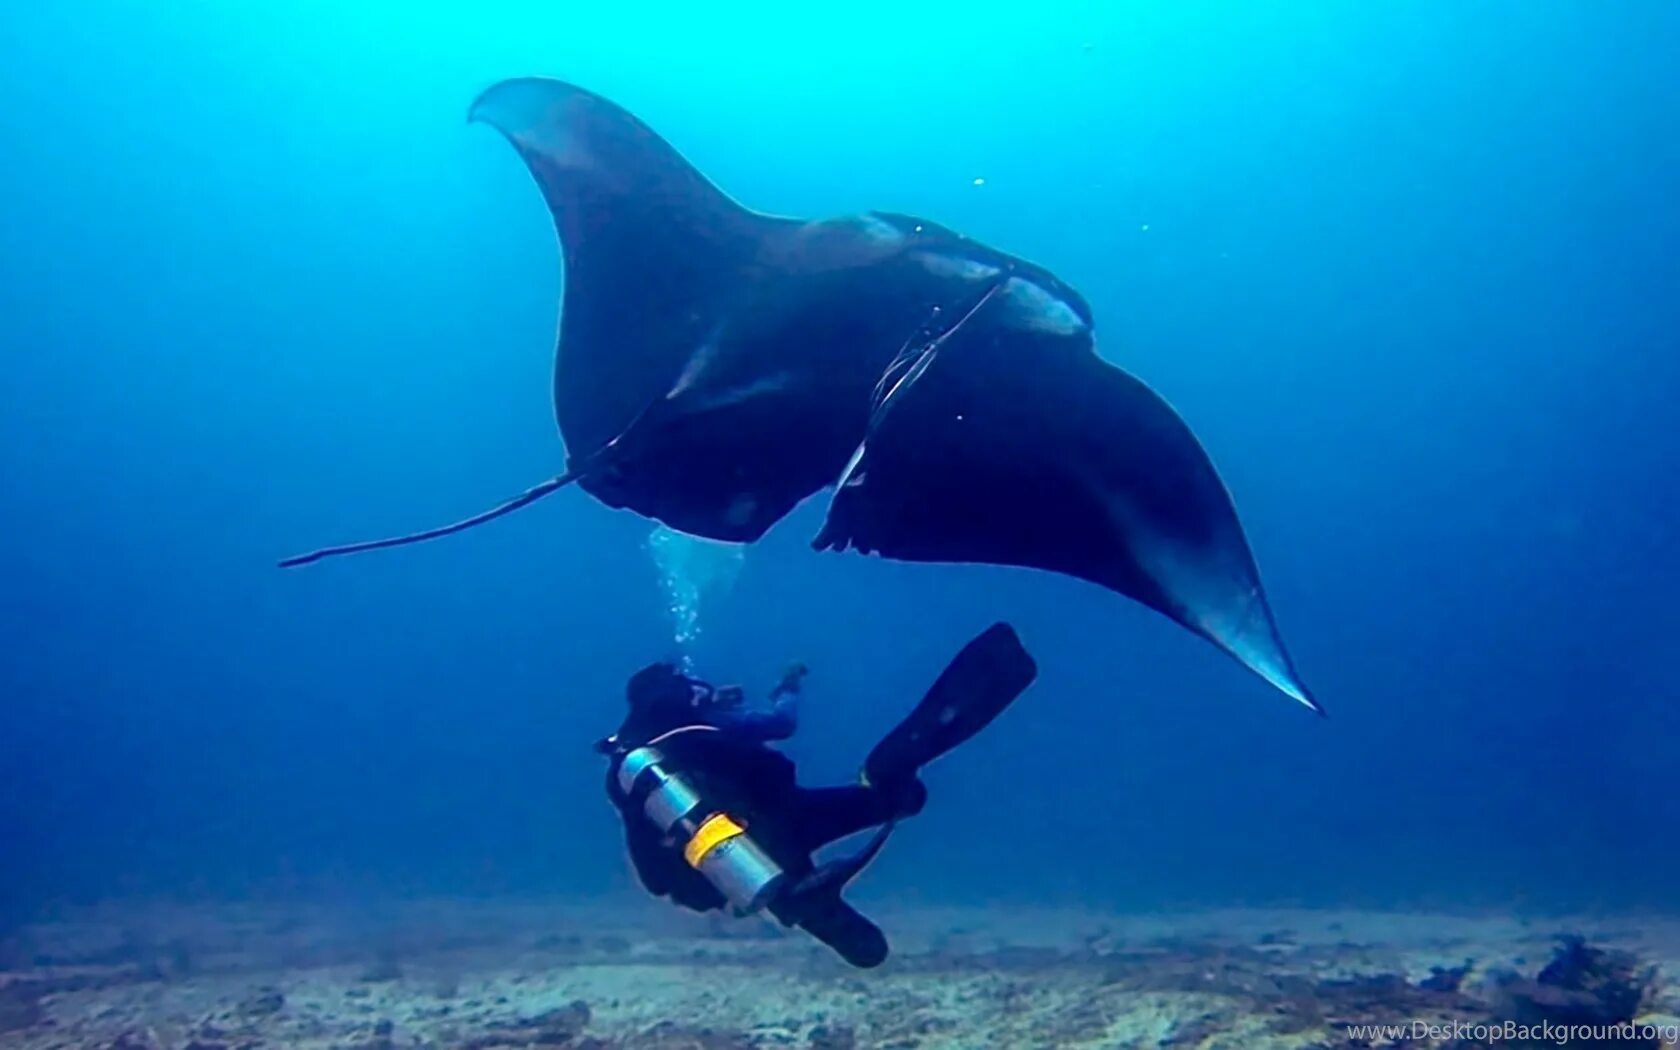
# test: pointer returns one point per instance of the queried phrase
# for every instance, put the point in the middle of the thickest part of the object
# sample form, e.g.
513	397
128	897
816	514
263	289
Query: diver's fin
526	498
839	925
983	679
814	905
832	876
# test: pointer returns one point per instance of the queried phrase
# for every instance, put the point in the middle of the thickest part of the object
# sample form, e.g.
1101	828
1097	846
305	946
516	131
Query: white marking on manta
1032	307
693	377
880	230
942	265
729	396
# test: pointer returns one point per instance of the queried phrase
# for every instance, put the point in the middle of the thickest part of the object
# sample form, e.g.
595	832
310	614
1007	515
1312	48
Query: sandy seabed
463	975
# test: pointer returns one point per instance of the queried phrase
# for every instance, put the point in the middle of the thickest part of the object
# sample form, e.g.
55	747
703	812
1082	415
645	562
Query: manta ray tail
650	246
524	499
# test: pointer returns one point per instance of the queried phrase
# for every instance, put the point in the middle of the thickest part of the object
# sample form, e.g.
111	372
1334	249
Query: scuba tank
713	843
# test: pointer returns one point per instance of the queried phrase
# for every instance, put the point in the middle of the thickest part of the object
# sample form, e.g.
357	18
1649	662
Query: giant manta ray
717	365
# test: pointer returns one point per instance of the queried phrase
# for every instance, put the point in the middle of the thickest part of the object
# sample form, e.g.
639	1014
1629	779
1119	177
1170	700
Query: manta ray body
716	366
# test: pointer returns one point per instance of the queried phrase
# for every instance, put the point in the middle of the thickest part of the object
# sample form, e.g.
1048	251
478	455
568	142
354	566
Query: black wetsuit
723	753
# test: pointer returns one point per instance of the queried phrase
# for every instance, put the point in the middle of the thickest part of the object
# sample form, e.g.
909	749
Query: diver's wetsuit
778	723
721	749
722	752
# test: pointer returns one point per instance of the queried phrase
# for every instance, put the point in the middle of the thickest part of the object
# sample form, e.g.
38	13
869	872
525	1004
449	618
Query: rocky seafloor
479	976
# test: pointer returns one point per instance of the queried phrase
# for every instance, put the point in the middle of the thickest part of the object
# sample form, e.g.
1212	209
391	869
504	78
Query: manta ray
716	366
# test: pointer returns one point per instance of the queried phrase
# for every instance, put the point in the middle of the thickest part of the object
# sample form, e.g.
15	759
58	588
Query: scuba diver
715	818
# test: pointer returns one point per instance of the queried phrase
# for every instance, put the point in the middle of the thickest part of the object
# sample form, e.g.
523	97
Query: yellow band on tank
717	830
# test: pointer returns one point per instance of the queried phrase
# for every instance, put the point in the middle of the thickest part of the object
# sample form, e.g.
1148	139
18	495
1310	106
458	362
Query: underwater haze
1410	272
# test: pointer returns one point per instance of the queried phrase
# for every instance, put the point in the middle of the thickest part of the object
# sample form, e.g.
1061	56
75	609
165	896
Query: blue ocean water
1409	271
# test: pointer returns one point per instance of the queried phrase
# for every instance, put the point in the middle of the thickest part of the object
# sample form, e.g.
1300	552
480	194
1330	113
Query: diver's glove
791	681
